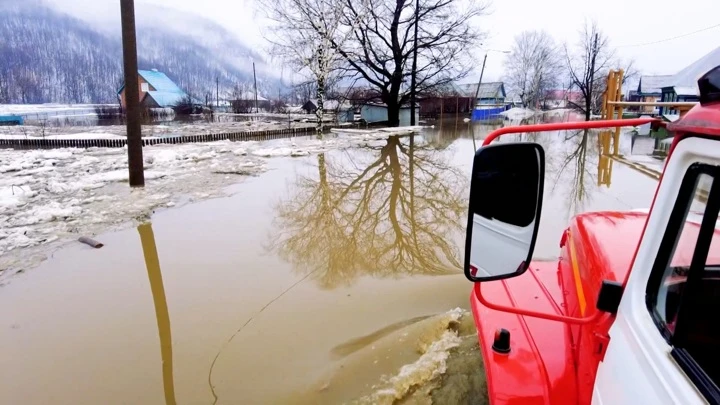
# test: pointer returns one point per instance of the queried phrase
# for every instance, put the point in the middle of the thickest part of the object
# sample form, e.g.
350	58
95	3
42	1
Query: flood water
332	278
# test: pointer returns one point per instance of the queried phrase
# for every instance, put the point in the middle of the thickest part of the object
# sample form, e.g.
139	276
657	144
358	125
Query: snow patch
49	197
516	113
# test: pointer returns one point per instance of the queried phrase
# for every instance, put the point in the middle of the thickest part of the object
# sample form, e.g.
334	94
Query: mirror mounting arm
542	315
567	126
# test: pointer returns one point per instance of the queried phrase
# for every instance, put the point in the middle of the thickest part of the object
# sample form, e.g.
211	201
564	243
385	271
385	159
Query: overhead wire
669	39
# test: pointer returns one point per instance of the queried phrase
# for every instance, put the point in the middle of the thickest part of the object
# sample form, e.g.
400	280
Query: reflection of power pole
132	96
152	262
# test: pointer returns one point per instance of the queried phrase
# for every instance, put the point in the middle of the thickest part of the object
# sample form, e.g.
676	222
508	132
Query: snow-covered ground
650	162
518	113
49	197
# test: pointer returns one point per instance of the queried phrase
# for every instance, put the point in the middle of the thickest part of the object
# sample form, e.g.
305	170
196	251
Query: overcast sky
626	22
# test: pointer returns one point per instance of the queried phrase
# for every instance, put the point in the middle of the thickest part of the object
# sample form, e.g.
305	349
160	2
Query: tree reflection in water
576	173
396	216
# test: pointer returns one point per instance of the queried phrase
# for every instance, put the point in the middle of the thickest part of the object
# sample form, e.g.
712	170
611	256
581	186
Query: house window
144	87
683	293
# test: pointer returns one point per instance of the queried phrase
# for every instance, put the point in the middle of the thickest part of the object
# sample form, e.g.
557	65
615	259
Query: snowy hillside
48	56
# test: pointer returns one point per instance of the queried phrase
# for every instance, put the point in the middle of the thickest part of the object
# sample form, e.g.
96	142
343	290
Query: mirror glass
505	204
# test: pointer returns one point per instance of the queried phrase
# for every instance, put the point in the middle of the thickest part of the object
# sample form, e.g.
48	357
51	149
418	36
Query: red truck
630	312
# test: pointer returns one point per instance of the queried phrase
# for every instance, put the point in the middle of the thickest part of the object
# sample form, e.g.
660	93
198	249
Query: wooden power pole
255	81
132	96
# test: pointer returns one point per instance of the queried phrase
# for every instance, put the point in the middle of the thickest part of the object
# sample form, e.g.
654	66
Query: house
244	102
490	94
156	90
449	98
7	120
376	113
490	100
344	110
562	98
329	105
682	86
649	90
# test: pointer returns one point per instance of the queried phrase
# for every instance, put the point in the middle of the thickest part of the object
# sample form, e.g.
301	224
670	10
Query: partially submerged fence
40	143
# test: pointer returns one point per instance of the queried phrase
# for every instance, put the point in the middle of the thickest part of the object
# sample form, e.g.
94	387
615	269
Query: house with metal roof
156	90
682	86
492	93
649	90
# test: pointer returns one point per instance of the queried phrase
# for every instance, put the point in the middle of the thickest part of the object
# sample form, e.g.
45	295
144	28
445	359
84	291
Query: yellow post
606	93
618	97
610	95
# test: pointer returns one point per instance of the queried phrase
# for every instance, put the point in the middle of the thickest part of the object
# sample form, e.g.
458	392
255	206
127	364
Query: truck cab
629	313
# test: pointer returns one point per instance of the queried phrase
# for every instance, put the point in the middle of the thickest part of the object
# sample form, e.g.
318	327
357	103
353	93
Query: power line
670	39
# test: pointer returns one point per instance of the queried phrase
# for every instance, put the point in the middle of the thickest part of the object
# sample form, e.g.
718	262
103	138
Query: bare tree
305	91
382	48
534	67
588	63
374	41
4	85
306	34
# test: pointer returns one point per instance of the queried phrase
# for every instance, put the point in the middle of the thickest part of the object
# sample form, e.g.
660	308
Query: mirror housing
506	192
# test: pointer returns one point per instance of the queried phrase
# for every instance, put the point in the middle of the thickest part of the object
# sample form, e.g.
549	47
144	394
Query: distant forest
47	56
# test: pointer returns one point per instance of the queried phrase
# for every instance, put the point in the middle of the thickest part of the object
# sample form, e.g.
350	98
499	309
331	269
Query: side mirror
506	193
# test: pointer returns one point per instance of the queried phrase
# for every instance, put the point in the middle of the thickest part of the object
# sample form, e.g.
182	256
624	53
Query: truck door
665	342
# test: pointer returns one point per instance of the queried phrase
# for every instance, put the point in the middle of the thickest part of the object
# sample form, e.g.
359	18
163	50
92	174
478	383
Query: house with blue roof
156	90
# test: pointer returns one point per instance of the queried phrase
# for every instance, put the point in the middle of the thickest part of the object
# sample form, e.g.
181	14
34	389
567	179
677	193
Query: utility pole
255	80
413	77
217	92
477	90
136	175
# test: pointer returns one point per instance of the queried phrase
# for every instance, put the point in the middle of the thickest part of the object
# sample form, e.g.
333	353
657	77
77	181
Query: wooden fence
36	143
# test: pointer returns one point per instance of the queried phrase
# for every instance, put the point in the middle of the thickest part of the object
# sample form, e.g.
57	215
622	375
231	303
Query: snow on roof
686	91
335	104
381	105
688	77
330	104
652	84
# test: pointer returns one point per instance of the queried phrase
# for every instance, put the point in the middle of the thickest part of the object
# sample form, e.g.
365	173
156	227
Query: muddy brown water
333	278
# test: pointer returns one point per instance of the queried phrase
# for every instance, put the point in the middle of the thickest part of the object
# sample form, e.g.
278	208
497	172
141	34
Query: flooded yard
329	278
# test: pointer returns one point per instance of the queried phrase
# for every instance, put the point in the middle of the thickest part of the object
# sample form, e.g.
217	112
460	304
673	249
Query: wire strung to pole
670	39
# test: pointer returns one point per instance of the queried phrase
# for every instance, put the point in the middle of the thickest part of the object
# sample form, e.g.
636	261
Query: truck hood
539	368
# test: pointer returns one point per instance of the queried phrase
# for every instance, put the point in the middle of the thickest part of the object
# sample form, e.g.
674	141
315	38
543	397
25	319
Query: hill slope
48	56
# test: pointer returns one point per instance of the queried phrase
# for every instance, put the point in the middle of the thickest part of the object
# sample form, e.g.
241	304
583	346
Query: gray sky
625	22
